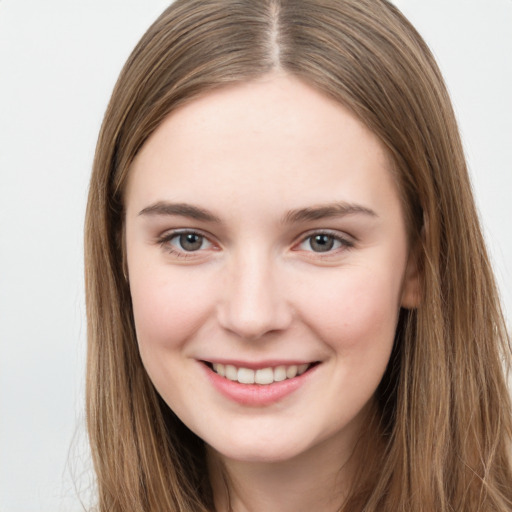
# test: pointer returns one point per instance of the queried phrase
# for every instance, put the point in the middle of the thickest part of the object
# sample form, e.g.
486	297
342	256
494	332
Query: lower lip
257	395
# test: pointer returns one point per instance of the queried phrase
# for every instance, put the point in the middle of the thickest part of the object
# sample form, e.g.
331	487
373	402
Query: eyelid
164	241
346	241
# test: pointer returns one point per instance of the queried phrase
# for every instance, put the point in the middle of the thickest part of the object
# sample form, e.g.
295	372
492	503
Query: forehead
274	137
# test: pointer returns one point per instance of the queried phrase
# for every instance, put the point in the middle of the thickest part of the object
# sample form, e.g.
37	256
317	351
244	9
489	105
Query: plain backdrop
58	63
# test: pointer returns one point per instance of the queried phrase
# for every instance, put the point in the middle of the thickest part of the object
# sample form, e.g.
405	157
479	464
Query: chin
259	450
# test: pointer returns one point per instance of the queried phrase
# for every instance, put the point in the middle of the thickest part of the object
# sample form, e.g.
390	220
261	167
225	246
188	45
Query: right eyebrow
180	209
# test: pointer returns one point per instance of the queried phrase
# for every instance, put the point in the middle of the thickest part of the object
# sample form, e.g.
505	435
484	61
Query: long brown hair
444	415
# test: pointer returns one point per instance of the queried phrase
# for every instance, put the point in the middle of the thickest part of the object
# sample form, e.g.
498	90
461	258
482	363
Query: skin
258	290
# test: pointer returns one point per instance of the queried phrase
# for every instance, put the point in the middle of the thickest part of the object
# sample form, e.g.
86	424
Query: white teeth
280	373
264	376
245	376
291	371
231	372
261	376
302	368
219	368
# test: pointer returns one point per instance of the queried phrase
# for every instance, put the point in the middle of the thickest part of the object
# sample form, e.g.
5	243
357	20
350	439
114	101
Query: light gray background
58	63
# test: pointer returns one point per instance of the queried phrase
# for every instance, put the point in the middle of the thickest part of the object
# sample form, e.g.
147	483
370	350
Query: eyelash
164	242
344	243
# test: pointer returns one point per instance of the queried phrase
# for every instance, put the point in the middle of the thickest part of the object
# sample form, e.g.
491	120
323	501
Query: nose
253	302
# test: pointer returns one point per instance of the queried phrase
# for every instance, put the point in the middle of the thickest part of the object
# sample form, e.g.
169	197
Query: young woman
290	305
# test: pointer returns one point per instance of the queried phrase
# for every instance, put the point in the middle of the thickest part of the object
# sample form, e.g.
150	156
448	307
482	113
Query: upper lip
258	365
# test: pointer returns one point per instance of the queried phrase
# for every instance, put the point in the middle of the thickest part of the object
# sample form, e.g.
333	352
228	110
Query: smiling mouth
262	376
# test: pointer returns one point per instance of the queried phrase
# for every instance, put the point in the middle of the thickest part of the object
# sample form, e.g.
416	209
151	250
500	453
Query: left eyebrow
322	211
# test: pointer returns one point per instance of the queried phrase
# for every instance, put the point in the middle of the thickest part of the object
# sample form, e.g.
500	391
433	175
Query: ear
411	288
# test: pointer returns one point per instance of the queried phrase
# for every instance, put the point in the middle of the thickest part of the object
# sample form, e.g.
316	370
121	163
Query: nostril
255	324
252	305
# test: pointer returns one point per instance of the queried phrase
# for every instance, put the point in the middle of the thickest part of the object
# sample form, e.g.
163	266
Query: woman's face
266	242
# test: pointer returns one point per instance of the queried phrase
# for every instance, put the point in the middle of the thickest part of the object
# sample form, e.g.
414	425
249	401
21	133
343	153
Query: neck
317	479
294	485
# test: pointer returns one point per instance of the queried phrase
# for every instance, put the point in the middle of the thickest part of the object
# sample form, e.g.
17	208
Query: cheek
168	307
358	310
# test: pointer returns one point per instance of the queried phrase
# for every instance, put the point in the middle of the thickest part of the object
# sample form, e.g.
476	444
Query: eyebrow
181	209
323	211
311	213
